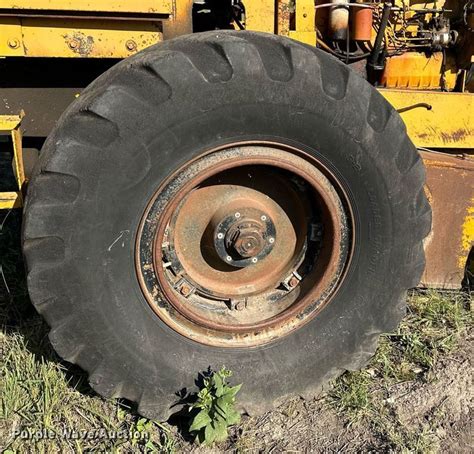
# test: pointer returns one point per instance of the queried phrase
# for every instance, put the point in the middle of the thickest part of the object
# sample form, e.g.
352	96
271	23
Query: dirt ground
438	411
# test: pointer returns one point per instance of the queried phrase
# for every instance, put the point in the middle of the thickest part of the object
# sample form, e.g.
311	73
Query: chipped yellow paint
43	37
467	239
11	124
449	123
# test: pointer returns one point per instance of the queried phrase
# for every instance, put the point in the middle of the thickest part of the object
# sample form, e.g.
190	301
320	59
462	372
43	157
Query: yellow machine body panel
447	121
114	6
85	38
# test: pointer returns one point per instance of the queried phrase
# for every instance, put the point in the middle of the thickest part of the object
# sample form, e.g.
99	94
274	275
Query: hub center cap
244	237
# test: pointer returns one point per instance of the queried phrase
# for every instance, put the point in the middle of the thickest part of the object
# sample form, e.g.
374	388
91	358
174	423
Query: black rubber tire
152	113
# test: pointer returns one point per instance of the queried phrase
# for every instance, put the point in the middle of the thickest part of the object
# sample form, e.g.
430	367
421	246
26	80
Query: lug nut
237	215
229	258
263	218
254	260
271	240
220	236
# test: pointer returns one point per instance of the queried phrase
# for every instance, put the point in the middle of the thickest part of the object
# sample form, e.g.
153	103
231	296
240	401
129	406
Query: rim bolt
237	215
240	306
263	218
271	240
293	282
220	236
229	258
185	290
255	260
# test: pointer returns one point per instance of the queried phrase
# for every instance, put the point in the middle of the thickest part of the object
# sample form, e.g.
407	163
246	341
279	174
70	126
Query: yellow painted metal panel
260	15
10	200
117	6
40	37
449	124
305	16
180	21
11	123
304	22
467	239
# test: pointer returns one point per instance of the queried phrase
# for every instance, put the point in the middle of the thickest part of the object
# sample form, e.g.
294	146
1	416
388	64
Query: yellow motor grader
249	183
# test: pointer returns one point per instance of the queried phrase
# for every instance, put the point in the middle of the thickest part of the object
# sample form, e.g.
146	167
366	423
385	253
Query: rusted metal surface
450	191
361	20
201	214
284	12
197	293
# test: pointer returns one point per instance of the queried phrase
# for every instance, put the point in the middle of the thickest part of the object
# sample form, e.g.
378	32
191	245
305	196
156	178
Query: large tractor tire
227	198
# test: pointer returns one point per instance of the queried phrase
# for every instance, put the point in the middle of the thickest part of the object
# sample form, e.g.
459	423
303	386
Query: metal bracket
11	124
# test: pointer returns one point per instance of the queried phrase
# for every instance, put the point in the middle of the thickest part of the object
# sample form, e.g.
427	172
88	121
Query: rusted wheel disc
243	245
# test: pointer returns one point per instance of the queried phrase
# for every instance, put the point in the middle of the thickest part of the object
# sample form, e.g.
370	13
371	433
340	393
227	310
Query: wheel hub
242	246
244	237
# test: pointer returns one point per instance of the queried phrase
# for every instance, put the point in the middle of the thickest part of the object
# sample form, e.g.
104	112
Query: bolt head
254	260
131	45
185	290
74	43
13	43
237	215
271	240
263	218
293	282
220	236
229	258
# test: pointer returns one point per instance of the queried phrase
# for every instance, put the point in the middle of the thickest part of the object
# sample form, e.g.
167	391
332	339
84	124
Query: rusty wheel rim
244	245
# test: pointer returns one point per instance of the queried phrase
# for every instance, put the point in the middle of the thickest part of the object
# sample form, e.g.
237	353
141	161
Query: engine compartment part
362	20
339	20
416	70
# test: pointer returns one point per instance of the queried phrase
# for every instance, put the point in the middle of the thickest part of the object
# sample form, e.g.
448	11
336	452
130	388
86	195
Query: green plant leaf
220	431
216	400
232	391
233	417
219	384
209	434
200	420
